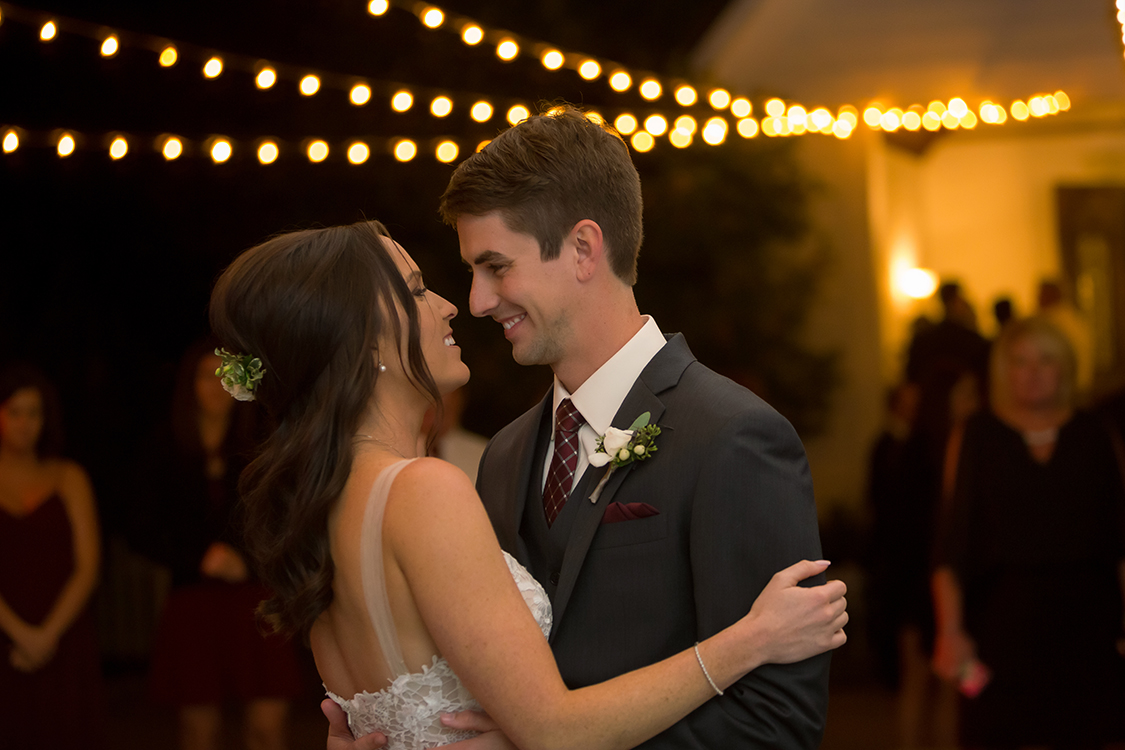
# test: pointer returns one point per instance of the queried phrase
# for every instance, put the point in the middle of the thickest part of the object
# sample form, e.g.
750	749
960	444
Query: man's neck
606	335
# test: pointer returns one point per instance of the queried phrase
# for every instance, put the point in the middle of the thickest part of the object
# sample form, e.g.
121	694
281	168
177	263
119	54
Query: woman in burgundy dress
1031	572
50	678
209	649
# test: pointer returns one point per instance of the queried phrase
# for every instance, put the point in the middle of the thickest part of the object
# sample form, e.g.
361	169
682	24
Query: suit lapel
509	499
589	515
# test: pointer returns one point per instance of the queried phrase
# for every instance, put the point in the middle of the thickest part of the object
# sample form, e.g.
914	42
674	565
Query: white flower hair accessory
622	447
239	374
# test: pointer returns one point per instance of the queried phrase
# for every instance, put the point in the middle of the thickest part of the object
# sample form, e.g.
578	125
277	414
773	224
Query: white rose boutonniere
622	447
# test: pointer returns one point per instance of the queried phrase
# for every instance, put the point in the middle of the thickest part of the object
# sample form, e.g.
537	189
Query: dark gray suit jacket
731	483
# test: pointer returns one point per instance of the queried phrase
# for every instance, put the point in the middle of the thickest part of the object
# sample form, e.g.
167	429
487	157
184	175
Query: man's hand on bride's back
340	736
794	622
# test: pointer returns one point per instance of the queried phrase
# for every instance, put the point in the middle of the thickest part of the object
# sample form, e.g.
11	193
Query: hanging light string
641	129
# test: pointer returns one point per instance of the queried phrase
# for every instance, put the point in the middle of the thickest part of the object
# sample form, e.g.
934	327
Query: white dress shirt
599	398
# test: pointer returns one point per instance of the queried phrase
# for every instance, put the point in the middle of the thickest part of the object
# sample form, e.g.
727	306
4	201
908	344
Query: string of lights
1121	18
641	129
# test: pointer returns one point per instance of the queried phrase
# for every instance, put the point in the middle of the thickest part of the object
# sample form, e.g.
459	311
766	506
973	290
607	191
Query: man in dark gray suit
643	560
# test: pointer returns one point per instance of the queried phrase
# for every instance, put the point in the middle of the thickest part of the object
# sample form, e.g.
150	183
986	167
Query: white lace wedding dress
409	710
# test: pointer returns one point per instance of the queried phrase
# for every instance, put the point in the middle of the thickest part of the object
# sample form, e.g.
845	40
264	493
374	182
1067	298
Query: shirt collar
599	398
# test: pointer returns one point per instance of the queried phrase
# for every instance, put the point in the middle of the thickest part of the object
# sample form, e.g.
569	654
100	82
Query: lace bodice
409	710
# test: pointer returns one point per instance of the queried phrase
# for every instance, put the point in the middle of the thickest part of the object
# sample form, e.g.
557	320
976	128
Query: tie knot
568	418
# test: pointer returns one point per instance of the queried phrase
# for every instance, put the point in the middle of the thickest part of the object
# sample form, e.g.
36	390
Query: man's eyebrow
488	256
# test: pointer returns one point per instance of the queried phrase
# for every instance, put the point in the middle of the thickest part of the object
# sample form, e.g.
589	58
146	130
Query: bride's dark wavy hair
312	305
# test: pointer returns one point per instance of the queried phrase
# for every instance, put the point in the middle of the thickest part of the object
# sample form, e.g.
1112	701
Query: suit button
555	578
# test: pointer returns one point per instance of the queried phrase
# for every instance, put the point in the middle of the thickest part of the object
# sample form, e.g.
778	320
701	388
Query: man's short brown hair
548	173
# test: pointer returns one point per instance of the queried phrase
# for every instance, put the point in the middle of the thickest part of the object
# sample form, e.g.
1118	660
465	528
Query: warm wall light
168	56
109	46
309	85
917	283
360	94
213	68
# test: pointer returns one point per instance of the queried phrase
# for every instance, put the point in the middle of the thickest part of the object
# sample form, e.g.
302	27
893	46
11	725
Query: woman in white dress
390	566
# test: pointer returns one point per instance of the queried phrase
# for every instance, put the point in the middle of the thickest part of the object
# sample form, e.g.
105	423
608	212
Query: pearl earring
382	367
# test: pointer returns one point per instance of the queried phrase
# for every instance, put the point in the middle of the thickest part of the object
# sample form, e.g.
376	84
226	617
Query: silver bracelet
705	672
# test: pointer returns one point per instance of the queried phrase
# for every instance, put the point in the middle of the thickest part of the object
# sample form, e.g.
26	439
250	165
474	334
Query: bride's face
442	354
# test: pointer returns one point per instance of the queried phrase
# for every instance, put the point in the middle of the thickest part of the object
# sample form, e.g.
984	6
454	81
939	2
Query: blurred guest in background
1028	592
1002	311
49	553
452	442
902	499
1055	306
208	647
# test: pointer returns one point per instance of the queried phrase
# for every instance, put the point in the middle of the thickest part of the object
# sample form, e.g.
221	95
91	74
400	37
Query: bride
386	560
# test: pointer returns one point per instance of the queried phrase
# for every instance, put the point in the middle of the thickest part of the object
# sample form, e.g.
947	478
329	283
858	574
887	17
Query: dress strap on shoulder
373	575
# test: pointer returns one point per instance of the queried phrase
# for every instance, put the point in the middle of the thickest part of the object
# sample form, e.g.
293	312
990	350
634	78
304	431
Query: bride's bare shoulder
430	486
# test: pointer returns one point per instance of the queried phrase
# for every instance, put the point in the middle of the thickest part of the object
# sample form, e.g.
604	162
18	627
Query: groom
643	561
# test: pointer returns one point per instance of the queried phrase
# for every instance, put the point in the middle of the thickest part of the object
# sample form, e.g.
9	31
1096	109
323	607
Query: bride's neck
394	424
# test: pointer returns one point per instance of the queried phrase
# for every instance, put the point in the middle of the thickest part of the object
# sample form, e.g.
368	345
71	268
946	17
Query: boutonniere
622	447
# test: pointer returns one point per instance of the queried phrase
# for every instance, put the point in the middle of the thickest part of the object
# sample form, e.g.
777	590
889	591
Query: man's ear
589	247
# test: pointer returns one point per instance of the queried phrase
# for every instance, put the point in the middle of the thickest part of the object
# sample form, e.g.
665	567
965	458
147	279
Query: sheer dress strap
374	578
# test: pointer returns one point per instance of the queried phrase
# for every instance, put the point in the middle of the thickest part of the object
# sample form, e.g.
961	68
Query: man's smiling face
530	298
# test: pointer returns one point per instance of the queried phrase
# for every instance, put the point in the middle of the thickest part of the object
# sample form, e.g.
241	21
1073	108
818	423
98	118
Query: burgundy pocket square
617	512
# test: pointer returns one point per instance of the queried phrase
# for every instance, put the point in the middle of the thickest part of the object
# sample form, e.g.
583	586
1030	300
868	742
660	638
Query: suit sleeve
754	514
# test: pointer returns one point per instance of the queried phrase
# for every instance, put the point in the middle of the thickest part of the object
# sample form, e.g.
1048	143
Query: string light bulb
268	152
48	31
317	151
651	89
309	85
109	46
714	131
266	78
358	152
11	141
172	148
446	152
168	56
378	7
680	138
65	145
213	68
747	127
741	107
685	95
441	106
472	34
842	128
481	111
507	50
911	120
402	101
590	69
118	148
360	94
405	149
620	81
957	107
518	114
221	150
642	141
625	124
656	125
719	98
1019	110
552	59
685	122
432	18
775	107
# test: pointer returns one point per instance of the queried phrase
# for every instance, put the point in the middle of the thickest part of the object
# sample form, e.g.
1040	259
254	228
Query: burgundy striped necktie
565	460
